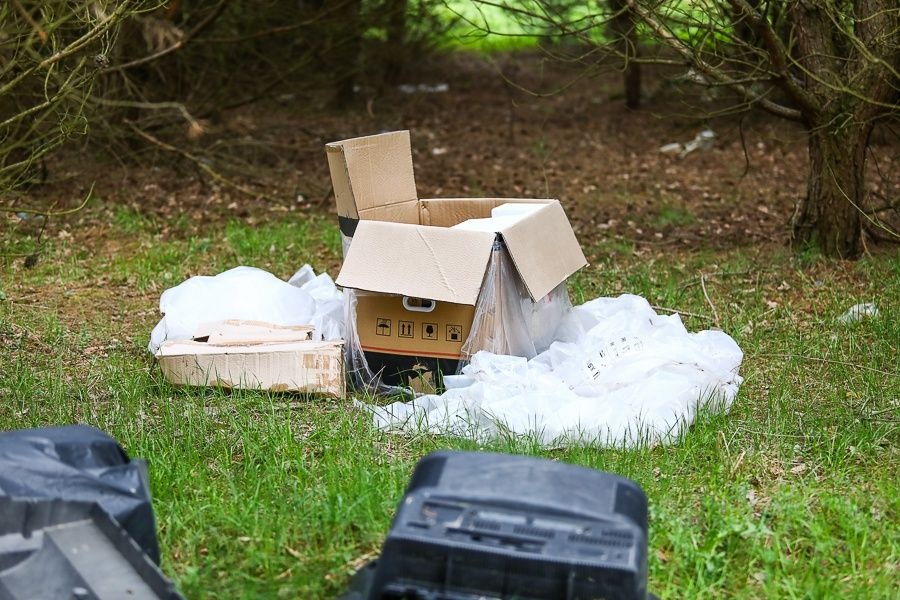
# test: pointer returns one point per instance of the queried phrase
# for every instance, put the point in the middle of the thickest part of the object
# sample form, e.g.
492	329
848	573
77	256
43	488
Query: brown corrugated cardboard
447	212
302	366
371	171
544	249
437	330
448	264
412	260
403	246
233	332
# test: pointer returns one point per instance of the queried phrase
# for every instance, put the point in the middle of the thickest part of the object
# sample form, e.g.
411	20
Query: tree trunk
347	45
396	41
830	215
625	39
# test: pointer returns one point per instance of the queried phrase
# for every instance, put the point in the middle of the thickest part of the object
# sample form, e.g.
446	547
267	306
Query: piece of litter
702	141
617	374
858	312
673	148
423	88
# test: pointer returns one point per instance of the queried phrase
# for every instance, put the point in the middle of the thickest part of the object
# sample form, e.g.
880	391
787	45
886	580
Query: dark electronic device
80	463
492	526
71	550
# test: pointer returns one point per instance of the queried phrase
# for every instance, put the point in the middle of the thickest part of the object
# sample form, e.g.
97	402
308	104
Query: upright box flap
544	249
418	261
371	171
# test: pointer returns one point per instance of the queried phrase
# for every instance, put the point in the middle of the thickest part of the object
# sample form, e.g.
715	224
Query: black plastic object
485	526
71	550
399	371
81	463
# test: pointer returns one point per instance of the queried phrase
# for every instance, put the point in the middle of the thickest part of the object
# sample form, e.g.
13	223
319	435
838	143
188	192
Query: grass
793	494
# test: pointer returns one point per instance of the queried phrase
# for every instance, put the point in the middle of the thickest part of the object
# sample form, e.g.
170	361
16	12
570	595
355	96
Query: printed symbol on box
406	329
383	327
454	333
429	331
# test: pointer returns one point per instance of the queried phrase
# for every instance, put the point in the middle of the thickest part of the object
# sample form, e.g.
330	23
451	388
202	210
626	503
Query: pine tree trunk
344	47
830	215
625	39
396	41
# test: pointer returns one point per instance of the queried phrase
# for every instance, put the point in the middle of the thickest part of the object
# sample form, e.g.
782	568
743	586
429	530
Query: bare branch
777	54
194	159
41	33
102	27
206	22
709	70
51	212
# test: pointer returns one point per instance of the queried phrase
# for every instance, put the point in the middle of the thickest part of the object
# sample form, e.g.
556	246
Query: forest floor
792	494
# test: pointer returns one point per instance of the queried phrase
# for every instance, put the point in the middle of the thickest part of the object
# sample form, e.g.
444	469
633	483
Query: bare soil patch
541	129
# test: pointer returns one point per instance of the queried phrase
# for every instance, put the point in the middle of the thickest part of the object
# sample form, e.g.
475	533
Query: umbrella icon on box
383	327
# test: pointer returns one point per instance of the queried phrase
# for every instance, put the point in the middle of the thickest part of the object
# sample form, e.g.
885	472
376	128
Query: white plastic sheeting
250	294
617	374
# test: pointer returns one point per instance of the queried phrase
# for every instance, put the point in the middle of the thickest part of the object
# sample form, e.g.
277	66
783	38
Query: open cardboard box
418	278
255	355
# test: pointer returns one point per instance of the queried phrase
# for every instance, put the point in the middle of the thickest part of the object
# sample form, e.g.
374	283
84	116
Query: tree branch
206	22
51	213
777	54
72	48
41	33
697	62
195	159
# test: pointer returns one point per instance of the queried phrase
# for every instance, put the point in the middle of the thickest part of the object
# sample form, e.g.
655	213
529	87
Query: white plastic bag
617	374
250	294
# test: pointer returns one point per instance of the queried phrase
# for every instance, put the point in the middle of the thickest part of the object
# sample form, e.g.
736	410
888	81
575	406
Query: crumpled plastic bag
618	374
252	294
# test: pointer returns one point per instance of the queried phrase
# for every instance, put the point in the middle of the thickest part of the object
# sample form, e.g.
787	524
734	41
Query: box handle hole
418	304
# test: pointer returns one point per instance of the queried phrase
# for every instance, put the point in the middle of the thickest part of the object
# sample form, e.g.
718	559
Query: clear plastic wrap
618	375
506	321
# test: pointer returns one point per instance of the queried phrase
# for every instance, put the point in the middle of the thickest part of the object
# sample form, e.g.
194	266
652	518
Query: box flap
400	212
544	249
418	261
371	171
194	348
446	212
236	332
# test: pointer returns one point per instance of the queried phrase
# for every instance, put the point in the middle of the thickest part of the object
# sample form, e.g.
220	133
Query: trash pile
460	300
246	328
617	374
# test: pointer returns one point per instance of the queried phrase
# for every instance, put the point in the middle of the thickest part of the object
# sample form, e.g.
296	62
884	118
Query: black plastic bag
79	462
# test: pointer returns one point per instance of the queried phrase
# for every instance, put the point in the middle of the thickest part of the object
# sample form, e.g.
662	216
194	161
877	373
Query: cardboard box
254	355
421	272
